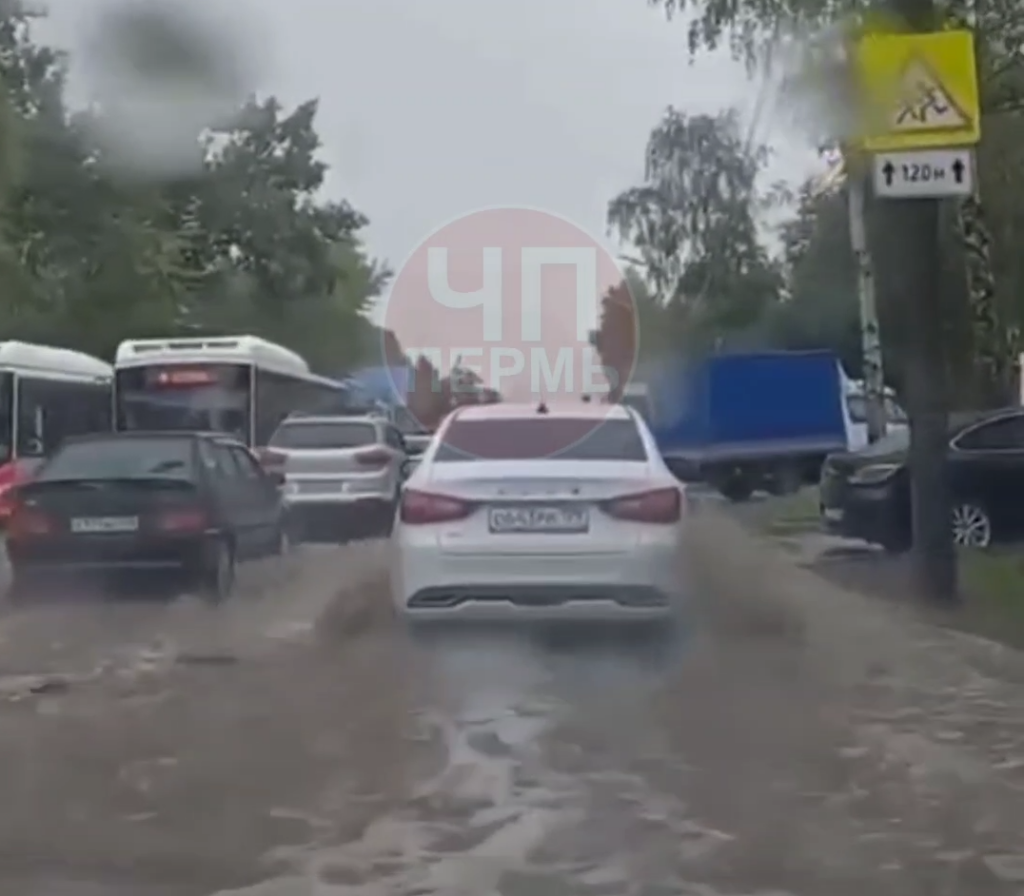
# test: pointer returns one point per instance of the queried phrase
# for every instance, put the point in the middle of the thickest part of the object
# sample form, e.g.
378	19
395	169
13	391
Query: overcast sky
430	110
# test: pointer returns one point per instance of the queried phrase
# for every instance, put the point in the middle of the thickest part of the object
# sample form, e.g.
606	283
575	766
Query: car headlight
876	474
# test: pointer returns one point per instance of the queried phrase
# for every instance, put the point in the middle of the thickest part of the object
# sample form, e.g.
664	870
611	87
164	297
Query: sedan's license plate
539	519
90	524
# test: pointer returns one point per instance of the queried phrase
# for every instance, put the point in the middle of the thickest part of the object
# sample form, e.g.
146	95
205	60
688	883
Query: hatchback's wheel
283	546
972	527
218	576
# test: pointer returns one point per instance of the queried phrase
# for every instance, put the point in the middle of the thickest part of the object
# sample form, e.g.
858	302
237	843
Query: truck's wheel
737	488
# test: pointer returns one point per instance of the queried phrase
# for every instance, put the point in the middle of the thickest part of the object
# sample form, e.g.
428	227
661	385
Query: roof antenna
542	406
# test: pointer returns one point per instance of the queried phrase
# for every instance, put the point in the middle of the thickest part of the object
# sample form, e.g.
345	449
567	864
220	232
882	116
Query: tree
763	34
694	224
635	328
247	243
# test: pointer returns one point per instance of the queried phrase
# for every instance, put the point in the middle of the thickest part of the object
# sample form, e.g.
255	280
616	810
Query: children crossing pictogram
924	102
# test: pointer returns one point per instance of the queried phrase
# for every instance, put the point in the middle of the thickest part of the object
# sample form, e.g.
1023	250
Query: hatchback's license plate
539	519
90	524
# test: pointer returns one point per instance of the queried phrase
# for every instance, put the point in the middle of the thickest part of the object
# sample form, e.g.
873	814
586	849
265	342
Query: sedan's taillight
182	520
661	505
374	457
421	508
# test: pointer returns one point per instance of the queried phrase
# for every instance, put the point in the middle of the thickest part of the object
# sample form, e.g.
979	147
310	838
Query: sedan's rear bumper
639	585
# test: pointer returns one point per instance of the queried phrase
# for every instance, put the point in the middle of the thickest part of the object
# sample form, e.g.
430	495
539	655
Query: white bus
241	385
46	395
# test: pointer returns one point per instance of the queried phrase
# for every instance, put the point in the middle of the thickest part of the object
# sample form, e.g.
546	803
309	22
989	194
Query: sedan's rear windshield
324	436
121	459
565	438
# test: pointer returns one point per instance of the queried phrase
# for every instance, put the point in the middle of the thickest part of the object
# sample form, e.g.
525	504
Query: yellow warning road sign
918	90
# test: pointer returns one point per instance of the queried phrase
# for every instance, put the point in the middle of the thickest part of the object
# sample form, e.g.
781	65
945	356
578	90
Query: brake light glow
28	522
183	520
662	505
375	457
12	475
186	376
422	508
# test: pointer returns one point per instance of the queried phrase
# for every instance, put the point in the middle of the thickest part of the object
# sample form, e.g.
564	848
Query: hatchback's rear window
565	438
121	459
324	436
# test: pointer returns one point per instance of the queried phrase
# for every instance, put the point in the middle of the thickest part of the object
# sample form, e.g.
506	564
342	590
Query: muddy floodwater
300	741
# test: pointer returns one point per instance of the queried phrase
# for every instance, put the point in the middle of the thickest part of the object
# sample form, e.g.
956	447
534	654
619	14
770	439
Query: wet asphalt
300	741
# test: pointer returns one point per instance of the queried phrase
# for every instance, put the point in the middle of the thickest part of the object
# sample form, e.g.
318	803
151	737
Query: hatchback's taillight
420	508
662	505
182	520
373	457
28	522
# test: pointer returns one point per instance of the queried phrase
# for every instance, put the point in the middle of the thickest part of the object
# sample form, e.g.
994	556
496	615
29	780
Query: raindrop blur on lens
162	77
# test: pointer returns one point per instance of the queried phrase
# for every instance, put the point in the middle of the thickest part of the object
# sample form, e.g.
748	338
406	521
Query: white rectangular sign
924	173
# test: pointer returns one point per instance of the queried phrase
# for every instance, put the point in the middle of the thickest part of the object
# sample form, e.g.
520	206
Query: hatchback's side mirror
409	466
276	477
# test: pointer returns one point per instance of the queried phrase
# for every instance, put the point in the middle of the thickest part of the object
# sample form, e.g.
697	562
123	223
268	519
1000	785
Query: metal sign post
921	122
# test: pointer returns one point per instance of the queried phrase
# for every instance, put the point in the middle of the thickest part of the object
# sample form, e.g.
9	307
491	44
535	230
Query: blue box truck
741	422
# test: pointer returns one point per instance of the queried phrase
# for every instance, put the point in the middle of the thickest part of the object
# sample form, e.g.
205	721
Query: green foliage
246	244
694	225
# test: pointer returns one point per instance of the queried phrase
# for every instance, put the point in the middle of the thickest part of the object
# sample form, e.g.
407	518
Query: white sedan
524	512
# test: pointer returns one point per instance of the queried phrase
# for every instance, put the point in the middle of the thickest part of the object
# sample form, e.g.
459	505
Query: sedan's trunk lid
559	500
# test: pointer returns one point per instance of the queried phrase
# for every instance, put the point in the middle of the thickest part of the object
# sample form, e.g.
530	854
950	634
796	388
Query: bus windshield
185	397
6	416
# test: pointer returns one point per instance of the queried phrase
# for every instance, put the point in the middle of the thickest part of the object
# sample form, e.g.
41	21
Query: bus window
207	398
52	410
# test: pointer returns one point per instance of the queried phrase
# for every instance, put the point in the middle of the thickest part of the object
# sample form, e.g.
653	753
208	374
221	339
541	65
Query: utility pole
923	119
870	332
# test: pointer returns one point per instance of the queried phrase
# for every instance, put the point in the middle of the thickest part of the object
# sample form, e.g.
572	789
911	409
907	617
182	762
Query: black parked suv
866	494
186	503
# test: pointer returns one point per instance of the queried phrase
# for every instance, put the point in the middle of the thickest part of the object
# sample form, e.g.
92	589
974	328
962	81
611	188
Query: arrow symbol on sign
958	170
888	171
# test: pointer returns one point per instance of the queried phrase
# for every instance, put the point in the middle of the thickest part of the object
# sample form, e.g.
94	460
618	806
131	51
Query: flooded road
300	742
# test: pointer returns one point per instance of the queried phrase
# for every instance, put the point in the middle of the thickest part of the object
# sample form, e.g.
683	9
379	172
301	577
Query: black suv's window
121	459
324	435
537	438
1004	434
